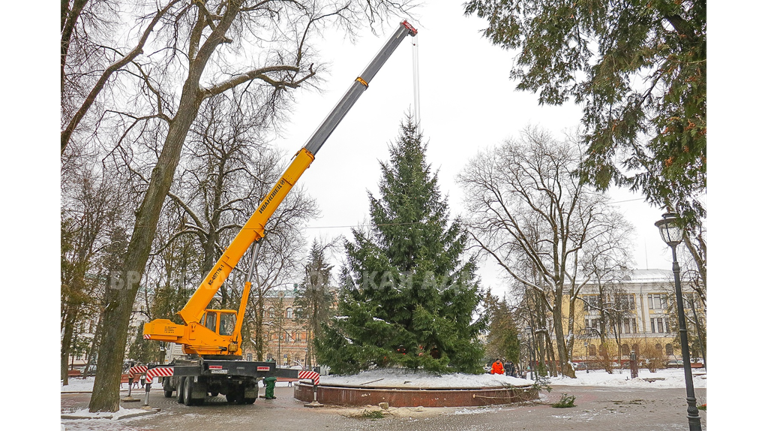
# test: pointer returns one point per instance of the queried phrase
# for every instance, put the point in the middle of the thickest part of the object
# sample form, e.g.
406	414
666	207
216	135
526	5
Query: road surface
597	408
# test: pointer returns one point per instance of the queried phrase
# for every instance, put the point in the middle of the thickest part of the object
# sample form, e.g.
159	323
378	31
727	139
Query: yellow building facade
638	315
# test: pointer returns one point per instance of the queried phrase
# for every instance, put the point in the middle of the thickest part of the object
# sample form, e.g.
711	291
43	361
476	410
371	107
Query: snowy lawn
401	378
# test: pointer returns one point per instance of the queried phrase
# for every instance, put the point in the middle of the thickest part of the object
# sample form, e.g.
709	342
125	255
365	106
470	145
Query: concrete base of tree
399	397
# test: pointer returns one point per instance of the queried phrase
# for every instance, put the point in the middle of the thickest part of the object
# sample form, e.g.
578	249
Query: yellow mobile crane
212	339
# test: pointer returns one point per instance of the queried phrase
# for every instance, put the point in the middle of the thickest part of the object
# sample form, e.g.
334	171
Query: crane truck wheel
180	390
188	401
236	395
167	387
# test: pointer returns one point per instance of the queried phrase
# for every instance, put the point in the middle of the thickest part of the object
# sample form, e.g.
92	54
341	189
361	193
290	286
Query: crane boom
357	88
193	333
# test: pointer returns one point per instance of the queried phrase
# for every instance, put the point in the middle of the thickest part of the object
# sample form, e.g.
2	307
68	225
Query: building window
628	326
625	302
271	313
592	325
657	301
289	313
625	350
669	350
592	350
659	325
591	302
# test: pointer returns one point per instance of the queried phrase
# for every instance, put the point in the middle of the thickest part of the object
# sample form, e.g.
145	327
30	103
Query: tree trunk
66	343
121	293
63	360
549	352
562	351
259	329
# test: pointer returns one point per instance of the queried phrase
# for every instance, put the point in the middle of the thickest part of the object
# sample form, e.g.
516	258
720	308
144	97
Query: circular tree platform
412	389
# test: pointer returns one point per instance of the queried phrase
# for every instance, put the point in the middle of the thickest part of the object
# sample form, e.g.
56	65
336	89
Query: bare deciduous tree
525	204
75	77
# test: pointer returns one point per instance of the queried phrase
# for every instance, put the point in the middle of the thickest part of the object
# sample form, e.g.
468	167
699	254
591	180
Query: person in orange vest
497	367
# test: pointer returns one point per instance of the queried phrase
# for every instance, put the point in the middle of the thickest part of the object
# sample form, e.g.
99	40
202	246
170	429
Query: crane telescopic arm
253	230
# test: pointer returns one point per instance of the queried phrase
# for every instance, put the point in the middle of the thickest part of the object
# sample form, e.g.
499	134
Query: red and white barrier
315	377
159	372
139	369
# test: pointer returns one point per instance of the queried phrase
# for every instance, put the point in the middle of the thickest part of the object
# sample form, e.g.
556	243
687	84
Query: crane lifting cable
416	102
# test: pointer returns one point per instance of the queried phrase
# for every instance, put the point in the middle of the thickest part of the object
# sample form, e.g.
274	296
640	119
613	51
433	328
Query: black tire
180	390
167	388
252	388
236	395
188	401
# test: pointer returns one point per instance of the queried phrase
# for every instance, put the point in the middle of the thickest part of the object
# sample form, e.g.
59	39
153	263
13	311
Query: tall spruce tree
406	299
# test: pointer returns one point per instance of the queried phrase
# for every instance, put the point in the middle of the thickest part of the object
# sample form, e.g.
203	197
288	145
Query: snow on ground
664	378
402	378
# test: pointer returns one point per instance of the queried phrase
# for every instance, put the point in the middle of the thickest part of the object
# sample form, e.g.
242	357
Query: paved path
597	408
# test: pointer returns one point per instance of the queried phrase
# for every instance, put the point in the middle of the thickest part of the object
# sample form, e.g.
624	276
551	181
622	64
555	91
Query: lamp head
670	231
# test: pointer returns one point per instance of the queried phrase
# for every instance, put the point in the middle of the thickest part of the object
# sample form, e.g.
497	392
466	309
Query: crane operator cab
226	321
222	325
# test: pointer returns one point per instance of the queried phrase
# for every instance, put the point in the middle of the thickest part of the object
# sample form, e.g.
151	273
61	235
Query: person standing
507	368
497	367
269	384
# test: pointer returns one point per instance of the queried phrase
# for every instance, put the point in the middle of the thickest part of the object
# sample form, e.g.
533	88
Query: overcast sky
467	103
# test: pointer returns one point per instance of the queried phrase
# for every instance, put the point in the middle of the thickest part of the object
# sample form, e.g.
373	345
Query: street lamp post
672	234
